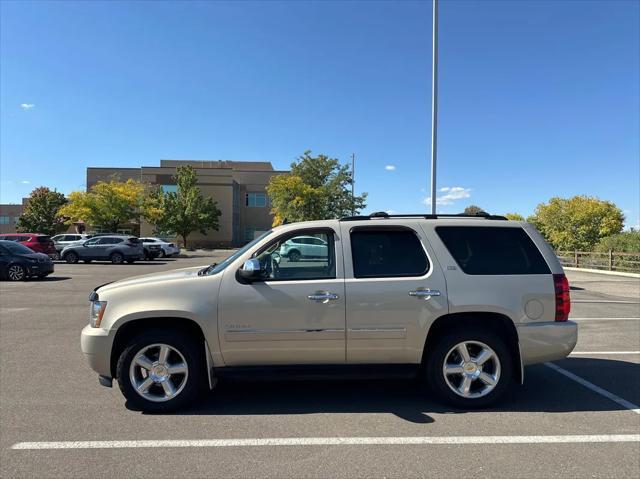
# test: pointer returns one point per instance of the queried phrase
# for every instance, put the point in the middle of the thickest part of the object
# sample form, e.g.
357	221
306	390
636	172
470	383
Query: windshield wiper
207	269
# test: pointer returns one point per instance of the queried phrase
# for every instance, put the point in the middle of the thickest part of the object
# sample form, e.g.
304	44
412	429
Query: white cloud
25	182
451	194
390	167
27	106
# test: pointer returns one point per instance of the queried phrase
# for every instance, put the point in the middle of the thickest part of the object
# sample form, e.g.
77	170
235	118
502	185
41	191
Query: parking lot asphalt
576	421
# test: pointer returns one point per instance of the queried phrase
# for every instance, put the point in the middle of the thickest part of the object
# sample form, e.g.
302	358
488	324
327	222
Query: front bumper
96	346
36	269
547	341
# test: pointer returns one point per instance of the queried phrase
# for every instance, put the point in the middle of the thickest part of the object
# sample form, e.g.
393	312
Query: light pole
434	107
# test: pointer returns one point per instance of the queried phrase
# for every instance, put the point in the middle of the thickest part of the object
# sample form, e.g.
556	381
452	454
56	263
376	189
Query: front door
395	289
296	315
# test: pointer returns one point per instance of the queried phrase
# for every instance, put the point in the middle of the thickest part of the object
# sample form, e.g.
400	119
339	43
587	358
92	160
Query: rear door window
387	252
485	250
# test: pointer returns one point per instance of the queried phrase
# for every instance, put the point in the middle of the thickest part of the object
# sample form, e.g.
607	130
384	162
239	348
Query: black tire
162	254
116	258
16	272
294	255
71	257
55	256
195	379
435	377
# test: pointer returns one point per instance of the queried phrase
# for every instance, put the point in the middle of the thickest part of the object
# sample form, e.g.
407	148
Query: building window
4	220
169	188
16	219
256	200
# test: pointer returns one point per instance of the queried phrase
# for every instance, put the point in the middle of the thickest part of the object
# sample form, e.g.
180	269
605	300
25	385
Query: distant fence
610	260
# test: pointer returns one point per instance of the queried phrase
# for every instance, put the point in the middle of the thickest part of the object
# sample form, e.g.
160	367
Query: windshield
17	248
216	268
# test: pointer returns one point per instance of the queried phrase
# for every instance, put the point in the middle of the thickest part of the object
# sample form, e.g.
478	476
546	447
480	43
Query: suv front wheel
469	369
161	371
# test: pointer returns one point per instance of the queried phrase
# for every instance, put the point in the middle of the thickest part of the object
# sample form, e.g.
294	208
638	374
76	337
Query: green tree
625	242
473	210
317	188
107	204
579	222
184	211
42	212
514	217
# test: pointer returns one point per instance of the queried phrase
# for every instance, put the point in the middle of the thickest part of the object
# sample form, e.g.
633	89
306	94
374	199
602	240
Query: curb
602	271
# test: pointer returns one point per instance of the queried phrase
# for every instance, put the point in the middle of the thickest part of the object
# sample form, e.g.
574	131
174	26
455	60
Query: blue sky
537	98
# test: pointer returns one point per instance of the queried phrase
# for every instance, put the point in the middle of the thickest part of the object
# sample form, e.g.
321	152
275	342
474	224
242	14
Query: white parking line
607	319
602	301
603	392
329	441
586	353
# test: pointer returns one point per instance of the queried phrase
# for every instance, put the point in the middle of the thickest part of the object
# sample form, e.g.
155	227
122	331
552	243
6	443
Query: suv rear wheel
469	369
161	371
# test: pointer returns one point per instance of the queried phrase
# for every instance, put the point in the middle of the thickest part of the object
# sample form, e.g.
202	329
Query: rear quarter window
387	252
485	250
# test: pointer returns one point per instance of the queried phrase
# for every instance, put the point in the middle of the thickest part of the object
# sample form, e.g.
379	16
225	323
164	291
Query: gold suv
464	302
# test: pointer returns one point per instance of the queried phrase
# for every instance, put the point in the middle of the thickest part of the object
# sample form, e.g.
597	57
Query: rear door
395	289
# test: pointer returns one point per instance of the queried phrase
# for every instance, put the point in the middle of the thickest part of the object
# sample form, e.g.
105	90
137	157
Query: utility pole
434	107
353	183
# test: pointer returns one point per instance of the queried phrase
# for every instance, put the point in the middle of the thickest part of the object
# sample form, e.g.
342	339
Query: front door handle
323	296
425	294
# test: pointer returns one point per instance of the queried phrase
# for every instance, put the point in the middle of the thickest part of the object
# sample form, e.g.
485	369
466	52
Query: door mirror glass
251	270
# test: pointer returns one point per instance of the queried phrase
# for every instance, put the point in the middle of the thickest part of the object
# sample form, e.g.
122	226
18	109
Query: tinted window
93	241
487	250
386	252
43	239
17	248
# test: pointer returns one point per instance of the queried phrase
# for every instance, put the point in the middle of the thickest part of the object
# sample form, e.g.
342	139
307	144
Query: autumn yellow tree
107	204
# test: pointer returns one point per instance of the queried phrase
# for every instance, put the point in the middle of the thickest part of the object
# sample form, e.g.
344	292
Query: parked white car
301	247
62	240
167	249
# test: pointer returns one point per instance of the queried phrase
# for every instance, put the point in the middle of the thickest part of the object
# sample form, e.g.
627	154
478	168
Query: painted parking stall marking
330	441
603	392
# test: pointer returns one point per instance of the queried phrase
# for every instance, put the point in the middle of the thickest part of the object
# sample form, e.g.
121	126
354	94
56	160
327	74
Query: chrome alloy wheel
158	372
16	273
471	369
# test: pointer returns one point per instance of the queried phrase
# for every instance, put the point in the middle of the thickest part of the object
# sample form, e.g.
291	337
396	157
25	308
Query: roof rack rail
385	215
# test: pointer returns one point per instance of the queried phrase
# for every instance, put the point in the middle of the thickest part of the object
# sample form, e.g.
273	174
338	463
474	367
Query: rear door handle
323	296
425	294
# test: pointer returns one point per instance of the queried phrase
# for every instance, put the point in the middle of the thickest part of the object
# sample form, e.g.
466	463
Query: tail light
563	300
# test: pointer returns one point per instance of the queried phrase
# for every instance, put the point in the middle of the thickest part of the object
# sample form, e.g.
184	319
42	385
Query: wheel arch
491	321
134	327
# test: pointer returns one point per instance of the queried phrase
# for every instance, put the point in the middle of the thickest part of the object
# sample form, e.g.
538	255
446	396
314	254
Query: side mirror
251	270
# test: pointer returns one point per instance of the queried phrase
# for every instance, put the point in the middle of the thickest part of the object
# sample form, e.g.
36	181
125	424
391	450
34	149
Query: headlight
96	312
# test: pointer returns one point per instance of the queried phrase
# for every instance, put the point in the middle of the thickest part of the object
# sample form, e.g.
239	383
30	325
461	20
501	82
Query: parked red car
37	242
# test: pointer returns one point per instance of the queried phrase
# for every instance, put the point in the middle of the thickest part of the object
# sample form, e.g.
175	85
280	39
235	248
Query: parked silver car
464	303
116	248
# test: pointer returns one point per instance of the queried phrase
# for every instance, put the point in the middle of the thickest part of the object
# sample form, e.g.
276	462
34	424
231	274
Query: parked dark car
37	242
17	262
151	251
116	248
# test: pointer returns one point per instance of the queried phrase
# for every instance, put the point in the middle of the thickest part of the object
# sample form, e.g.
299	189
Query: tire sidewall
437	356
71	257
195	362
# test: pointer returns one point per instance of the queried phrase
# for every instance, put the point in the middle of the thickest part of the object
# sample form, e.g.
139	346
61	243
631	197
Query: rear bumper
547	341
96	346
